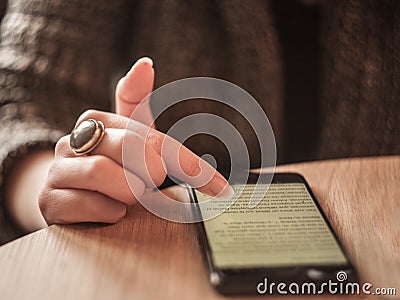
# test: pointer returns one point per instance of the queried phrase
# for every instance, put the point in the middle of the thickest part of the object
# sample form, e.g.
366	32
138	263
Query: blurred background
325	72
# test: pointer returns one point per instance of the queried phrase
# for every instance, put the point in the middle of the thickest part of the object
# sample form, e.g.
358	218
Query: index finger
179	160
185	165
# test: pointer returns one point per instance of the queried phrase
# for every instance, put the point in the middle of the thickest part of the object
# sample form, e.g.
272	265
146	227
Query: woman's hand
95	188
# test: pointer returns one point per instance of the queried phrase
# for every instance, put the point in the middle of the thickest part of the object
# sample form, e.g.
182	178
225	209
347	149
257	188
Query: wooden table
145	257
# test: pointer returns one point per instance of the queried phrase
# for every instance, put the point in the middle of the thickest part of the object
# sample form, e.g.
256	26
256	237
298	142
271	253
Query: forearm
23	187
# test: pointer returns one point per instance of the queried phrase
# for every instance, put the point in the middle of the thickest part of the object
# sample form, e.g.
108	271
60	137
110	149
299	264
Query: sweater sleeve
56	60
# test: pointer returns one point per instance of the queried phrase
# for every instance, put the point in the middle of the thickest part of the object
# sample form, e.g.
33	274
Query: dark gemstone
82	134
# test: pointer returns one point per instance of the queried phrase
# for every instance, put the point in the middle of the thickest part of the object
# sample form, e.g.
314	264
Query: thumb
134	89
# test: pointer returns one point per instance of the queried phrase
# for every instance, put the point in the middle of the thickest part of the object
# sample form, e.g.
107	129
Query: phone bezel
235	281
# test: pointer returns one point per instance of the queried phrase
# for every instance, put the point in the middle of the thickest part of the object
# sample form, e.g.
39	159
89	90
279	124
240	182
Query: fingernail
221	188
227	192
143	60
146	60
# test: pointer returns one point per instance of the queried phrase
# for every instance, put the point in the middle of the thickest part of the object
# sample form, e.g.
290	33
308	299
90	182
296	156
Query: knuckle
62	145
192	168
52	174
45	203
56	173
156	140
53	170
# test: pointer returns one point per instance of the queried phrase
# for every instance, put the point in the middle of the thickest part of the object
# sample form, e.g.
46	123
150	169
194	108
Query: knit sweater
59	58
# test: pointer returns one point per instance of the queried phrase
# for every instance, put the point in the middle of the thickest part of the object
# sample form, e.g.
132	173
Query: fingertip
146	60
134	87
227	192
140	74
219	187
116	212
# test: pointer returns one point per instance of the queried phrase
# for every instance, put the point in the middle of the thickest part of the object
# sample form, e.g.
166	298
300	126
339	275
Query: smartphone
284	240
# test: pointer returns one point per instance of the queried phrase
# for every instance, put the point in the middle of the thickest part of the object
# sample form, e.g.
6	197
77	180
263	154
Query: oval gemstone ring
86	136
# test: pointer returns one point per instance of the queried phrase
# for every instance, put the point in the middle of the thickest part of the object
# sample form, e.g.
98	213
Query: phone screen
286	228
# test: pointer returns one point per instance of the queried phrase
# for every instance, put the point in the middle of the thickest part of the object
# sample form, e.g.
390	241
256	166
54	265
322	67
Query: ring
86	136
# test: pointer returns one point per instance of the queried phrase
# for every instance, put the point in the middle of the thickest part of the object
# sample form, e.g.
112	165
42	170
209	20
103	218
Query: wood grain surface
145	257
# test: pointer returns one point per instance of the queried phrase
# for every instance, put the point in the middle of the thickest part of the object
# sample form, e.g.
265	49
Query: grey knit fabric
56	60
